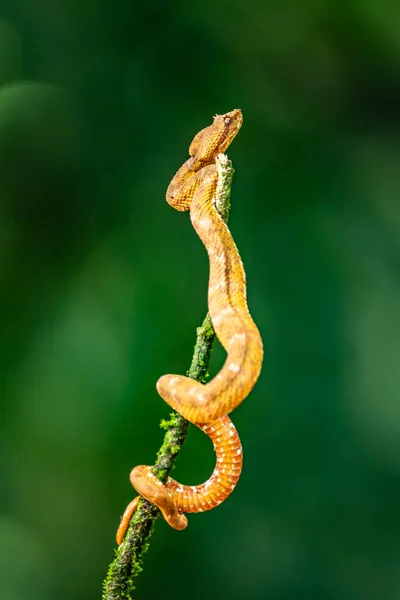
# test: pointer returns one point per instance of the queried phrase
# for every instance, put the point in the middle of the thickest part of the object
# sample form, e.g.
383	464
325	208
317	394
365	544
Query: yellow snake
206	405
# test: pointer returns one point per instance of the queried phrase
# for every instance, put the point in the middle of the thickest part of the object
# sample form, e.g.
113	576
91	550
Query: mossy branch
126	566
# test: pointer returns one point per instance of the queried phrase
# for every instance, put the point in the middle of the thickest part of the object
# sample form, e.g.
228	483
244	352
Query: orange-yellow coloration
227	470
193	187
126	517
206	405
173	499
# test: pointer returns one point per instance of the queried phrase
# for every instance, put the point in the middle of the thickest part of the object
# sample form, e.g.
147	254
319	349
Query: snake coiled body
207	405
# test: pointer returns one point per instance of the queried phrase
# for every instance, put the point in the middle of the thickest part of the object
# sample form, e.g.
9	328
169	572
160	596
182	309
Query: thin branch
126	566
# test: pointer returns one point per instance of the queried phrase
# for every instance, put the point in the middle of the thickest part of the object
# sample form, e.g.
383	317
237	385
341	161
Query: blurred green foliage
102	286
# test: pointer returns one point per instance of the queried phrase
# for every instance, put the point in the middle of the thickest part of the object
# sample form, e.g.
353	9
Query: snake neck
227	302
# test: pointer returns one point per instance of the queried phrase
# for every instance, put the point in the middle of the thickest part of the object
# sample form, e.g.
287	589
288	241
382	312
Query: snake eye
228	120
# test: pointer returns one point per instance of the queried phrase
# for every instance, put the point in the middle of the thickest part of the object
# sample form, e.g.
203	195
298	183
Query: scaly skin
206	405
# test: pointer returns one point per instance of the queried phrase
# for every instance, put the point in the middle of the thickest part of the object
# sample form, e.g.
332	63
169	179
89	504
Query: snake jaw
215	138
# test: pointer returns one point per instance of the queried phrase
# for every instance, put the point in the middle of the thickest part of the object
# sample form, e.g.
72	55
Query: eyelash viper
207	405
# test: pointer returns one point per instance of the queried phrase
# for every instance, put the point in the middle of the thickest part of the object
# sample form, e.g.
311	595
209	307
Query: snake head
155	492
215	138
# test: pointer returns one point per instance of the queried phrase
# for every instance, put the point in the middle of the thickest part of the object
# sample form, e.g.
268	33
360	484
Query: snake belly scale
207	405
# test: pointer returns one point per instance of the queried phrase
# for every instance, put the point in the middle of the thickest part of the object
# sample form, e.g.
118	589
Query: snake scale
207	405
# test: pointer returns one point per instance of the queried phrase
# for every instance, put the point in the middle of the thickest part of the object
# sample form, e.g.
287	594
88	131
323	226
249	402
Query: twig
127	564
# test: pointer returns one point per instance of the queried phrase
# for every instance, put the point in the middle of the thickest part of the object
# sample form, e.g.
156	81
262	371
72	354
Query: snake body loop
207	405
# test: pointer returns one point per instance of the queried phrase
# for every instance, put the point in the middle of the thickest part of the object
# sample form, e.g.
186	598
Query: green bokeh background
102	285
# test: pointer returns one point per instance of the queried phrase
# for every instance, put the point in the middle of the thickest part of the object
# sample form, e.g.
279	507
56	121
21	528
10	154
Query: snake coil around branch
207	405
